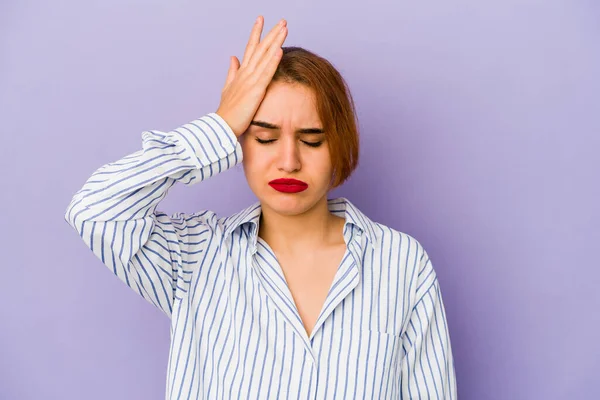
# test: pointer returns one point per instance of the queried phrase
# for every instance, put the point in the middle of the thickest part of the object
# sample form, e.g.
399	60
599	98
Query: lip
287	185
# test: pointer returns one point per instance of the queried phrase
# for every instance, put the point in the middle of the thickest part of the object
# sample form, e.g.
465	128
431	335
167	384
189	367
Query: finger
254	40
266	43
271	67
234	65
269	64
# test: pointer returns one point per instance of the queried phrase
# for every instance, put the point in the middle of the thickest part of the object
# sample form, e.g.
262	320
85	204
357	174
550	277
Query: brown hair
334	104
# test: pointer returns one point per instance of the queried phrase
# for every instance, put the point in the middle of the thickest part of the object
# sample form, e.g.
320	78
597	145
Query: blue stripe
236	332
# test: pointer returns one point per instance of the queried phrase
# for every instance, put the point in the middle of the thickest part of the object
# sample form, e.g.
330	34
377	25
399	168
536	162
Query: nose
288	159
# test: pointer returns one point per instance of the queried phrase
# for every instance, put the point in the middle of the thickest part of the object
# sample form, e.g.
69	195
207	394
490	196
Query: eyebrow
268	125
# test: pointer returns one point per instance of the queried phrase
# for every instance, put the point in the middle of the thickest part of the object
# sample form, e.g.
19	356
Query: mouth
288	185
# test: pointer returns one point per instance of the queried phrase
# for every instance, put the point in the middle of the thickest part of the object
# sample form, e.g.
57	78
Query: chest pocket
372	360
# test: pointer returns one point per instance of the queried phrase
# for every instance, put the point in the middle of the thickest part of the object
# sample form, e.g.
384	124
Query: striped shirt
235	330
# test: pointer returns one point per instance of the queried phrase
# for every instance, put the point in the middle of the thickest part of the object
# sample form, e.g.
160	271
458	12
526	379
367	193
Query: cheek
247	151
319	161
258	158
255	158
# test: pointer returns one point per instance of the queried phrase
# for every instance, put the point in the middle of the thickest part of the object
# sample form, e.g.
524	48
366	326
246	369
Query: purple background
480	137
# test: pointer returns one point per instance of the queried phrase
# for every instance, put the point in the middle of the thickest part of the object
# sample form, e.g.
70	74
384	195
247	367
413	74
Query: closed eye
311	144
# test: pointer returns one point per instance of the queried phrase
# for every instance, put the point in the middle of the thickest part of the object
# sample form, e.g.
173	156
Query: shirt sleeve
115	210
427	368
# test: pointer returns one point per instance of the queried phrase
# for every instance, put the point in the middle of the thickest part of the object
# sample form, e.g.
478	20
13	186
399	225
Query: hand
246	84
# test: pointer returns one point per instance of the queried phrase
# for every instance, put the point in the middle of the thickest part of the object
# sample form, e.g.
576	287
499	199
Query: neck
314	228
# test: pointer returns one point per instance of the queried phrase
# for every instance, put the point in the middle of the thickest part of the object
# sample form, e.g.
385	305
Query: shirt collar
339	206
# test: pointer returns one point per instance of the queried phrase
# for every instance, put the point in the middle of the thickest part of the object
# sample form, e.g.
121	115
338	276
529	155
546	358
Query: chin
286	203
289	204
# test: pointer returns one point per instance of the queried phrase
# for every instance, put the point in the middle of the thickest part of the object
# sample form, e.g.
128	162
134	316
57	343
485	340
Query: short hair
334	104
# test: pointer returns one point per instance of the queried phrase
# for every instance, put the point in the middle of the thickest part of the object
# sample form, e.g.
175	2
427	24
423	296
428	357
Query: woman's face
287	108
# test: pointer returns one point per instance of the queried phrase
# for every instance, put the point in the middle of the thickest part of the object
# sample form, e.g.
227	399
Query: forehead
288	103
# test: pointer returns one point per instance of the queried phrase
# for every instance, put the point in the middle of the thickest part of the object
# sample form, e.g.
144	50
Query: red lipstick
288	185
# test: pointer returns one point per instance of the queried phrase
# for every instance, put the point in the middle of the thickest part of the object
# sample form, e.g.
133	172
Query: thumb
234	65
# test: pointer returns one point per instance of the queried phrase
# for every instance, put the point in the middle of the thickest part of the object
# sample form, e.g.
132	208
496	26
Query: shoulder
390	239
190	228
404	251
203	219
406	255
210	222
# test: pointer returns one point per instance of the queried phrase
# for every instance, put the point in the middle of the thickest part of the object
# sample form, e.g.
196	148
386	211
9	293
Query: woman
296	296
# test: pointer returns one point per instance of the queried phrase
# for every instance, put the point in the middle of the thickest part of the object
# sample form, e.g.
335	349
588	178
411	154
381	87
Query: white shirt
235	330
